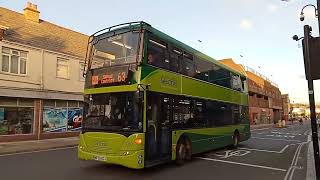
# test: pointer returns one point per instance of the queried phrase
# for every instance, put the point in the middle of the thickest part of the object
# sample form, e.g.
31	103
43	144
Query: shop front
17	118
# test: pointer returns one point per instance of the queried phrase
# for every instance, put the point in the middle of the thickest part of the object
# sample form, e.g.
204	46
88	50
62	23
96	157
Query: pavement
271	153
37	145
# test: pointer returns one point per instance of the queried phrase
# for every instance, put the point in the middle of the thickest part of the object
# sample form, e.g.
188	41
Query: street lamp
309	5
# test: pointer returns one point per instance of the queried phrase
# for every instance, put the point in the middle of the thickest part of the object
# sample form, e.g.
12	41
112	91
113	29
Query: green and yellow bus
151	99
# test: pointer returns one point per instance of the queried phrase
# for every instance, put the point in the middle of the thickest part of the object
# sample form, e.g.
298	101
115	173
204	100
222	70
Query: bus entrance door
158	139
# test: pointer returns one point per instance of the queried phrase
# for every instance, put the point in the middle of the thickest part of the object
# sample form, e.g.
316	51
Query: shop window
16	120
81	104
25	102
61	116
8	101
73	104
49	103
61	103
54	119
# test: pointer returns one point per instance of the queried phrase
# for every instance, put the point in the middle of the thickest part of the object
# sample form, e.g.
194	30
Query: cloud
245	24
272	8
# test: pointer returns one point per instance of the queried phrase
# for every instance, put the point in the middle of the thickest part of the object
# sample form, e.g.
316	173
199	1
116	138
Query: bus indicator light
138	141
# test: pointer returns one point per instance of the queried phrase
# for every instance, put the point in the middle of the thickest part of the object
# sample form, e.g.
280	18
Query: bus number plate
99	158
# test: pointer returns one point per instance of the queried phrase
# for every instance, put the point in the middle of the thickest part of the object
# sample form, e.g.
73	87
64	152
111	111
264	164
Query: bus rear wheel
236	140
183	152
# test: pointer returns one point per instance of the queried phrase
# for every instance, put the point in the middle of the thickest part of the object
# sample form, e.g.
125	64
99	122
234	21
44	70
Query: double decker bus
150	99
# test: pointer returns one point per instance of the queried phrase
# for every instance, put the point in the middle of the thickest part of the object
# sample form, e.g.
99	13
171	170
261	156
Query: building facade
285	106
265	103
41	83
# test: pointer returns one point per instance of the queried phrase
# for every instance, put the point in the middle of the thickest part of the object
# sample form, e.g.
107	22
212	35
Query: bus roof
140	24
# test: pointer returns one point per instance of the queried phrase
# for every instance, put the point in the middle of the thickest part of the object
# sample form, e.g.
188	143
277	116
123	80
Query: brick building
265	103
285	106
41	79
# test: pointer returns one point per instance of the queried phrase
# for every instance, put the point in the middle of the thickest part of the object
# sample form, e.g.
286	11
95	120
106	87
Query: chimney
2	32
31	12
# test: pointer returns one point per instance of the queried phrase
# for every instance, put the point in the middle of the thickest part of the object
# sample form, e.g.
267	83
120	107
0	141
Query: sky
256	33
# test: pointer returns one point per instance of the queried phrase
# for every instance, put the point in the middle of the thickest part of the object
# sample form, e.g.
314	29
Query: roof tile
43	34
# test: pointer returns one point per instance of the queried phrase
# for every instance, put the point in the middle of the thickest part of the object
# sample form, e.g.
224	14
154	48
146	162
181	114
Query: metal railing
260	75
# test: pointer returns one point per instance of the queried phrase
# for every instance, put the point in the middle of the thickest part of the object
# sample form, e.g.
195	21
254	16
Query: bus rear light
138	141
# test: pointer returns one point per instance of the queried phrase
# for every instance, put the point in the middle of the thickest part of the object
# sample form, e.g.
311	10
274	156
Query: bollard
279	124
283	123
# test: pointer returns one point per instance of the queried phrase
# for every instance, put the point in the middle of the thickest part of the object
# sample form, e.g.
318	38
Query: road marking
259	129
231	153
269	151
276	139
243	164
262	150
306	132
294	162
283	149
45	150
277	135
280	133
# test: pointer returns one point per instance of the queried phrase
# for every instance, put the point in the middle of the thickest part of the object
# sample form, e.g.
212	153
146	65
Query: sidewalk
26	146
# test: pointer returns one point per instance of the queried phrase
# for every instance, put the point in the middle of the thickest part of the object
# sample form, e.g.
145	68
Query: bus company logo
100	144
168	82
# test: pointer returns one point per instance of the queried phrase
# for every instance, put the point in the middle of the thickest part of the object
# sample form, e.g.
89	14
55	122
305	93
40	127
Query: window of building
62	68
81	78
158	53
14	61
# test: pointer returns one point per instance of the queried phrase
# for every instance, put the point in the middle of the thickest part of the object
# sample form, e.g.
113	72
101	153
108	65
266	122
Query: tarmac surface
271	154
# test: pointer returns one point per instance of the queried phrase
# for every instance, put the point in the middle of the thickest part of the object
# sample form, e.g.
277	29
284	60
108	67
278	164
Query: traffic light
311	50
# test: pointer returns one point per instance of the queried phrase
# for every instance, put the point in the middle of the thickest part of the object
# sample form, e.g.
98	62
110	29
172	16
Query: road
271	154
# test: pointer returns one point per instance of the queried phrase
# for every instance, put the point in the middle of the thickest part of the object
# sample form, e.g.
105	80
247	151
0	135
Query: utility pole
318	8
307	61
